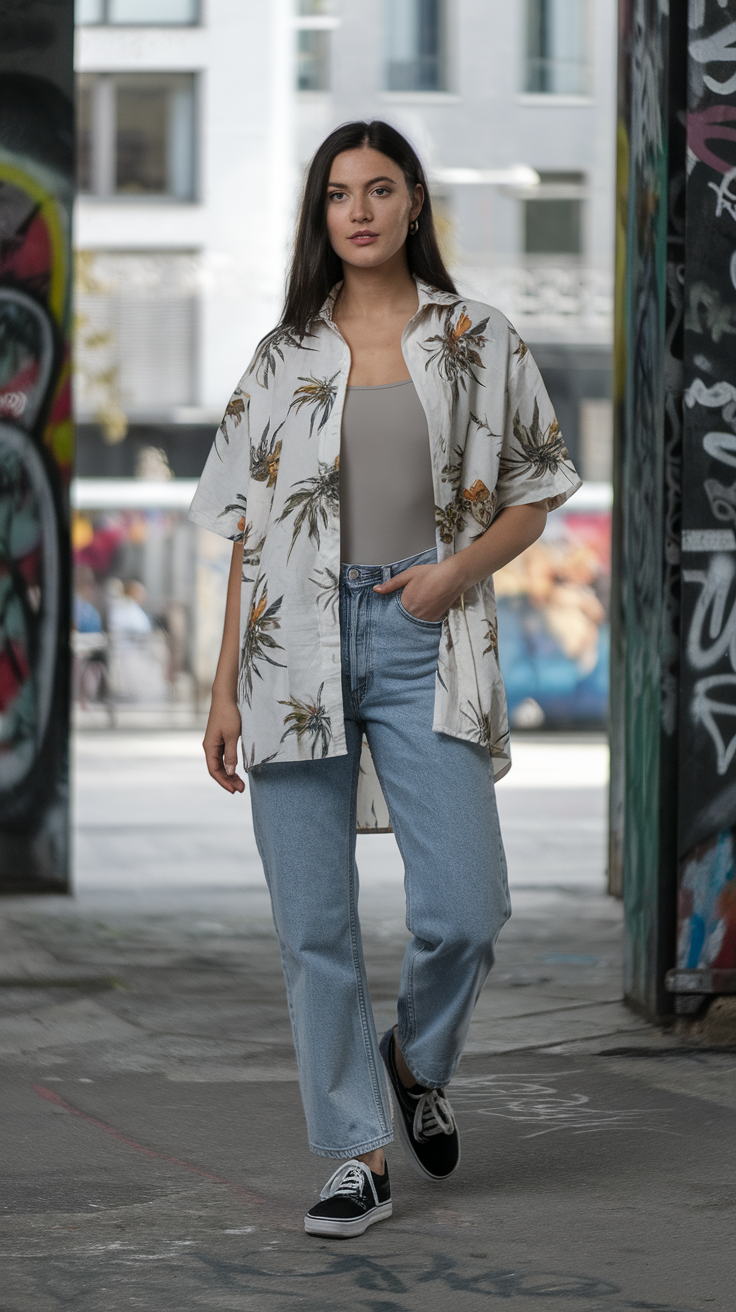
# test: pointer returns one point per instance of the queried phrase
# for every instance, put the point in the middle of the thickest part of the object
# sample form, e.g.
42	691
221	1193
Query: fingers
221	755
398	581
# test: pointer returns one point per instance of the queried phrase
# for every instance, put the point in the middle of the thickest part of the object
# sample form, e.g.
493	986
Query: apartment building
196	119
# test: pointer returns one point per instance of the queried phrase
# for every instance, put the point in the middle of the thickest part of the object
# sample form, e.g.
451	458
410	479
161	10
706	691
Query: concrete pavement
154	1153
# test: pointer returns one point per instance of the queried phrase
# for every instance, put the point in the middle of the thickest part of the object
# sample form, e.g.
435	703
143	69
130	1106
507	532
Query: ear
417	202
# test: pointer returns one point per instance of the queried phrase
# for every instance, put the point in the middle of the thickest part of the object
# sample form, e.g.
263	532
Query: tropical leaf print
316	501
239	504
541	452
521	349
482	425
452	472
491	637
319	393
235	410
264	459
475	501
328	584
449	520
432	310
258	639
483	726
456	350
251	555
249	762
480	503
309	720
270	349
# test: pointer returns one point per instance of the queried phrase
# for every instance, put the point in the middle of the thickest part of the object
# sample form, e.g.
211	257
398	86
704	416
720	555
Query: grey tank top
386	492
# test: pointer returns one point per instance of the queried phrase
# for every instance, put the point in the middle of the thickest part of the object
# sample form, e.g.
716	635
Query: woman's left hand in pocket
428	590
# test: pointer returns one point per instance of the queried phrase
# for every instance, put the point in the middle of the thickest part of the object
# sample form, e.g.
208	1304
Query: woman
390	446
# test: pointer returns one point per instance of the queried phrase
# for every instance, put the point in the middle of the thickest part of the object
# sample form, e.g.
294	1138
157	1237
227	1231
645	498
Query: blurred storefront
149	595
553	619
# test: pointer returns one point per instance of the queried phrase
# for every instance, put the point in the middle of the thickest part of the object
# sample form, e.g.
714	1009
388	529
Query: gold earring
414	227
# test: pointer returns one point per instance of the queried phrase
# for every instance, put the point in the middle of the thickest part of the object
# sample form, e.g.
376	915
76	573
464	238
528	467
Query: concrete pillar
36	440
706	939
673	730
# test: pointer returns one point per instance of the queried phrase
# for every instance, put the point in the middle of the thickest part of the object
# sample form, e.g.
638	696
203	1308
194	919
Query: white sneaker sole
324	1225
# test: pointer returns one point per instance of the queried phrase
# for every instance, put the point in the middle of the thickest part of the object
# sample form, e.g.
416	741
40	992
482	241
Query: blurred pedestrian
125	613
389	447
85	614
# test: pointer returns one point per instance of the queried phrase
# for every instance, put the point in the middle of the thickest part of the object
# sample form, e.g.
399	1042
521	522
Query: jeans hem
428	1083
343	1153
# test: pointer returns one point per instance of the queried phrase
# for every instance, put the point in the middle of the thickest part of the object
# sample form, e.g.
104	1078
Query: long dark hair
315	268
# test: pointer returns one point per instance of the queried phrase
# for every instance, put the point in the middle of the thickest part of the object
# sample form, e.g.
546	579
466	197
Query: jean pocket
423	624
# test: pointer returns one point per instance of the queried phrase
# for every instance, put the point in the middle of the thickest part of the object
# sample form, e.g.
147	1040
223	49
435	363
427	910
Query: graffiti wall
36	441
707	800
646	484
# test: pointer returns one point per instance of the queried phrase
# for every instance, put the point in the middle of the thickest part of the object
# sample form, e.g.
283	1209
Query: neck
376	291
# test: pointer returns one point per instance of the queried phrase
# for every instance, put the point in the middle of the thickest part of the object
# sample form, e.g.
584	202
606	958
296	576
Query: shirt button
353	574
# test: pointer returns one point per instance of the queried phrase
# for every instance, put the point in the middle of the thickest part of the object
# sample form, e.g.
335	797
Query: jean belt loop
385	573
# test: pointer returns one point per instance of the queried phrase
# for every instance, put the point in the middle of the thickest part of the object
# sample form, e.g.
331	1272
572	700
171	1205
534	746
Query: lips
364	238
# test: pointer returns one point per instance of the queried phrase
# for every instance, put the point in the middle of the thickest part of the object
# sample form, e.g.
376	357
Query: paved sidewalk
154	1154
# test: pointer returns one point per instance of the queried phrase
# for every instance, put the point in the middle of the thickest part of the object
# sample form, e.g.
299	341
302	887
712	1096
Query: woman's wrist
461	571
225	690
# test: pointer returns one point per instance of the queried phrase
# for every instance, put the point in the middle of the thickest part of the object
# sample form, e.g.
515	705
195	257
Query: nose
360	210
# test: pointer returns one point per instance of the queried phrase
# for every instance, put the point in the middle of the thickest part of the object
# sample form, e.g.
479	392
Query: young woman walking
390	446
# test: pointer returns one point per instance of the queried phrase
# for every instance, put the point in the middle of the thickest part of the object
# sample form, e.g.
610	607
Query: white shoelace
348	1181
433	1115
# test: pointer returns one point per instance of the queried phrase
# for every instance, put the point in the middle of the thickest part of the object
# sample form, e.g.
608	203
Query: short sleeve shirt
271	481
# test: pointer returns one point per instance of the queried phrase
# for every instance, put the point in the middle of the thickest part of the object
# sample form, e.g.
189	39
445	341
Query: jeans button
353	573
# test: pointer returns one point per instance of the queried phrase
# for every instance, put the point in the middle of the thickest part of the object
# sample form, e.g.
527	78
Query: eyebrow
384	178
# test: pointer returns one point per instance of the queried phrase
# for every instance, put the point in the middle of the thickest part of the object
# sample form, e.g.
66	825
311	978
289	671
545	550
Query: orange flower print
456	351
478	492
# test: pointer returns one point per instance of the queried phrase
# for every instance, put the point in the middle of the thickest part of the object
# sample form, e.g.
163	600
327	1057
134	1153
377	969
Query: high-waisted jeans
440	796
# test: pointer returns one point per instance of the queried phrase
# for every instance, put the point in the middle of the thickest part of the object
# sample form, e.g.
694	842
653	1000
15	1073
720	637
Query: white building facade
196	119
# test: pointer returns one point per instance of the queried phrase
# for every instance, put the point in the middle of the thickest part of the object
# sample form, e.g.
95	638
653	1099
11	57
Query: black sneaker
427	1129
352	1199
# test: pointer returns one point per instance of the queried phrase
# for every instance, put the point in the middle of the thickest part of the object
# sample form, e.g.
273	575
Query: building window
557	47
139	13
415	32
136	134
313	60
315	22
135	347
553	215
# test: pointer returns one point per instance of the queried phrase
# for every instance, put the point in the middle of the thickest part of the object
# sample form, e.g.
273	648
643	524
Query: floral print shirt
271	482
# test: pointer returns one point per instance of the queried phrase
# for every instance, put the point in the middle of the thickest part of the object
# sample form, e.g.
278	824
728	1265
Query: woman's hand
221	742
429	590
223	726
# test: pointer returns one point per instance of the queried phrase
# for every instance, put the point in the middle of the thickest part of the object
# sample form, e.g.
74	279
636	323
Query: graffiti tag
13	403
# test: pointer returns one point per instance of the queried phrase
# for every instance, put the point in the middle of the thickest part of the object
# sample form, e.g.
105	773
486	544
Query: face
369	207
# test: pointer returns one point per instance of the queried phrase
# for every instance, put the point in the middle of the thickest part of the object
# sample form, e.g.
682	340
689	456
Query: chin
365	257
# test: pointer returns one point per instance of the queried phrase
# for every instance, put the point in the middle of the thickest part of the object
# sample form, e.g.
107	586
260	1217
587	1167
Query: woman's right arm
223	726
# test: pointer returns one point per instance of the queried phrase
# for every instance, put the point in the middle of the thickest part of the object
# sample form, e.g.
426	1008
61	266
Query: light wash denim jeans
440	796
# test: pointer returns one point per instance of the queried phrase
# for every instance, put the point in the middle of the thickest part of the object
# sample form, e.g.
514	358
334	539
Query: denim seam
422	624
368	1147
365	1026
